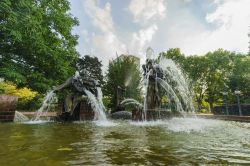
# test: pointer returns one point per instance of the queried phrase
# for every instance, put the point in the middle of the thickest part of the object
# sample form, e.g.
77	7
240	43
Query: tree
37	48
249	41
174	54
219	65
213	73
91	66
196	69
123	72
239	78
210	75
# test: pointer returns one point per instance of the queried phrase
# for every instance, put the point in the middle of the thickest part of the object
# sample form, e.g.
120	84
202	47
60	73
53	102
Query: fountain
79	98
178	141
162	77
19	117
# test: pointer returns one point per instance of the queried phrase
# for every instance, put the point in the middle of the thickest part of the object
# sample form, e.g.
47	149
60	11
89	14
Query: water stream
49	98
145	103
97	105
19	117
174	75
131	101
171	94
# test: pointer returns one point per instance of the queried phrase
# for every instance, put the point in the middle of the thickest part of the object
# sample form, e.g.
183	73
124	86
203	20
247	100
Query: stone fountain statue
75	102
151	72
162	78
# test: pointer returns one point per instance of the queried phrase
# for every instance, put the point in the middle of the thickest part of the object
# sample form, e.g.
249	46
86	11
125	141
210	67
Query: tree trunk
211	104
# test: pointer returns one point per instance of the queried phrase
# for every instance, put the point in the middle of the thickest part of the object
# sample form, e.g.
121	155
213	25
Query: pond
177	141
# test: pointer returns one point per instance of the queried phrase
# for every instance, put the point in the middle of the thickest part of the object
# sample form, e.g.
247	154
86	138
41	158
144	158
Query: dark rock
122	115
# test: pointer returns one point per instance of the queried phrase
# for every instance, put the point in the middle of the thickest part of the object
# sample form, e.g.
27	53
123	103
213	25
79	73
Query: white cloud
187	1
230	21
85	34
147	13
143	37
147	10
226	27
106	43
101	18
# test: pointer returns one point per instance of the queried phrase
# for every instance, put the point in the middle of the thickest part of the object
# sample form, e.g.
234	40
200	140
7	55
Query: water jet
162	77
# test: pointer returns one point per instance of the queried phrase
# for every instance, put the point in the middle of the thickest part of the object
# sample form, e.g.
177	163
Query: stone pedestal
83	111
7	108
138	115
86	111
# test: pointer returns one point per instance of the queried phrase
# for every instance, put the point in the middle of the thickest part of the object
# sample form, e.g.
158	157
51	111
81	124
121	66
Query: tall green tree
90	66
209	75
249	42
239	78
196	69
124	73
37	48
174	54
213	73
219	65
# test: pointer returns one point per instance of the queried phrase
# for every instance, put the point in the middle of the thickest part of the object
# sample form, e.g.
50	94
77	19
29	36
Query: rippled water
174	142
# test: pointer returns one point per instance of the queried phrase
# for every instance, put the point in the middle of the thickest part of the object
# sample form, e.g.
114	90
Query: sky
112	27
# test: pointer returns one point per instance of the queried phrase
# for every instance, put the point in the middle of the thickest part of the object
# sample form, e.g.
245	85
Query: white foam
182	124
105	123
191	124
37	122
148	123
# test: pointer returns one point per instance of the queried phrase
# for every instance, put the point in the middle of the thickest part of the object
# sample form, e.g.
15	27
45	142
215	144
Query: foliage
195	68
174	54
218	65
106	102
37	48
27	98
213	73
90	66
123	72
239	78
22	93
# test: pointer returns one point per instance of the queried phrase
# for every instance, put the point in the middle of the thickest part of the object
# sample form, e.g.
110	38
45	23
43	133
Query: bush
27	99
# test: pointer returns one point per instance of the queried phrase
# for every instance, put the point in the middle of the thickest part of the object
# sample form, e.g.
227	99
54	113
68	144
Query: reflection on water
177	141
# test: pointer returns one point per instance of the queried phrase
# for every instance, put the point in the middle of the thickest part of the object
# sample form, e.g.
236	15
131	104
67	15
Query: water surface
174	142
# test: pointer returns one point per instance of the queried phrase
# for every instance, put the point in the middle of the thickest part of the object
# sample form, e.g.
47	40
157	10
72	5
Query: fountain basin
178	141
7	108
225	117
153	114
